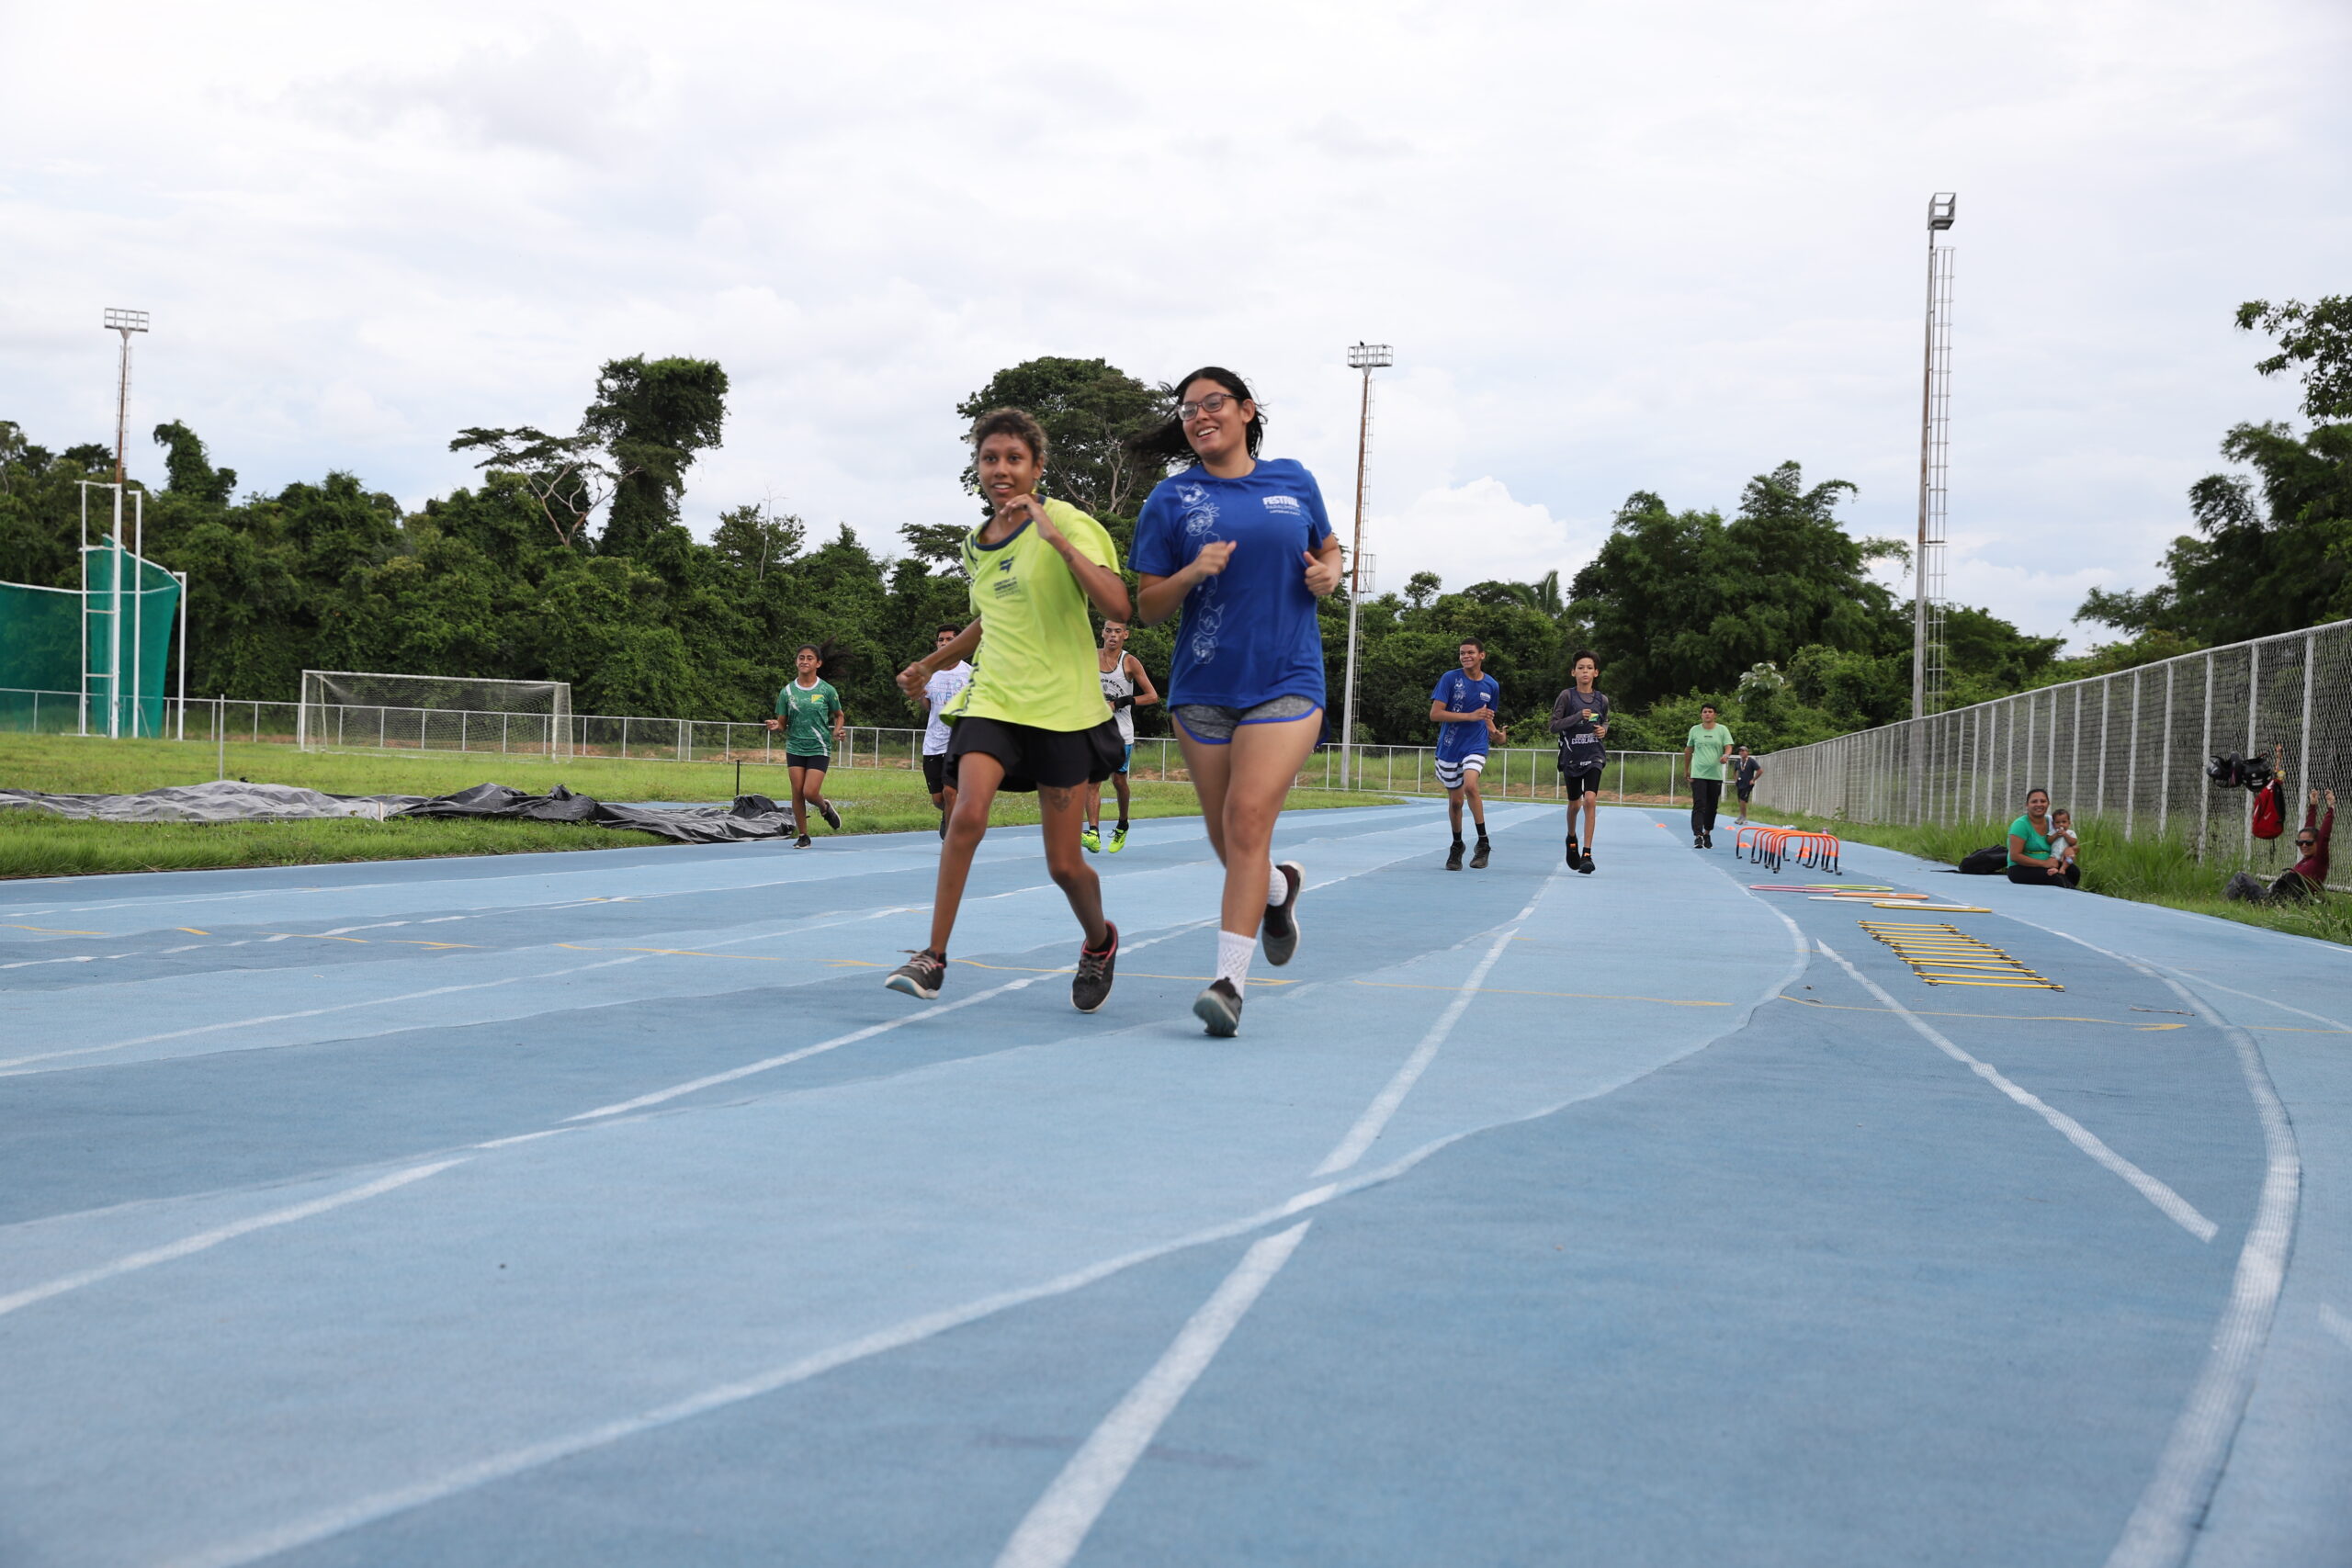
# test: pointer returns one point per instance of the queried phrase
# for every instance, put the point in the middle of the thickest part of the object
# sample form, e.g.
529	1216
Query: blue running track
602	1209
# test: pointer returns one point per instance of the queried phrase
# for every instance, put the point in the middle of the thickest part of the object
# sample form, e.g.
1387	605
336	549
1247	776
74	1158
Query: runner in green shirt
810	713
1032	717
1702	759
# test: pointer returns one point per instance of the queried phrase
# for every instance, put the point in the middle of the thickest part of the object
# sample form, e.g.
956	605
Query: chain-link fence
1518	773
2127	751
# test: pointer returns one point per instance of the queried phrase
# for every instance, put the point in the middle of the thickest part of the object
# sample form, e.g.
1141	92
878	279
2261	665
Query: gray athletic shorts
1214	725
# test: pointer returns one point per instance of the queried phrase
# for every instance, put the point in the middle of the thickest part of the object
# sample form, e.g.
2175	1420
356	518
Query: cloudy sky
1616	247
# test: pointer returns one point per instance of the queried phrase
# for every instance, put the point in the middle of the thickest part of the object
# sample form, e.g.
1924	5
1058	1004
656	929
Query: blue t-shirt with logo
1461	695
1249	635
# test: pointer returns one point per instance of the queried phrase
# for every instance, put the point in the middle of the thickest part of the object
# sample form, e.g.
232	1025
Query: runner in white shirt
936	693
1126	687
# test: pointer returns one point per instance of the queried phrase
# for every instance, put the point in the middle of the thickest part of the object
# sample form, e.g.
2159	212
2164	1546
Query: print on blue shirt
1248	635
1461	695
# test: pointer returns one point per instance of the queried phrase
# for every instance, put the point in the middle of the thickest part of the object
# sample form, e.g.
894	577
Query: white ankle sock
1233	950
1277	885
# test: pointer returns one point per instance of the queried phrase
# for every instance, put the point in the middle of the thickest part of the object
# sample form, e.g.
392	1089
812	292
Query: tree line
568	560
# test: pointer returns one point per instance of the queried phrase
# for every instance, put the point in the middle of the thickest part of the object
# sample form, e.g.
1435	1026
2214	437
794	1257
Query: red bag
2269	810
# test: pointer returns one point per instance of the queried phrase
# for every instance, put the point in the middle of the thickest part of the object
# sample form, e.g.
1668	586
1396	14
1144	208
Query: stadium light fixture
1364	358
125	322
1942	208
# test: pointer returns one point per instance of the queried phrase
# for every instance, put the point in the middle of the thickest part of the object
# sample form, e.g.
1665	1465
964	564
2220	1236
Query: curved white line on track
768	1063
1358	1138
2163	1529
2169	1203
188	1246
1056	1525
329	1522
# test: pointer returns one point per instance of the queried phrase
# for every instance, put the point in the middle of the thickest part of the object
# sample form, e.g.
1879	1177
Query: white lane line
188	1246
1054	1528
2171	1204
769	1064
309	1012
333	1521
1385	1104
2164	1526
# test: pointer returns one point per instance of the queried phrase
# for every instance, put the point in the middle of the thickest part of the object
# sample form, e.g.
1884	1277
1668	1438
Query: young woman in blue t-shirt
1241	544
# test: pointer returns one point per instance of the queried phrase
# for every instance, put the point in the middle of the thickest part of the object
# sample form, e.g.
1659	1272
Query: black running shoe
1584	864
1478	856
1219	1007
833	817
920	976
1572	849
1454	856
1698	840
801	842
1280	932
1710	837
1091	987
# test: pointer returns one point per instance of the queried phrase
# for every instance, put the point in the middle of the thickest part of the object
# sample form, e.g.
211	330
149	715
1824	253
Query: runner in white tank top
1126	686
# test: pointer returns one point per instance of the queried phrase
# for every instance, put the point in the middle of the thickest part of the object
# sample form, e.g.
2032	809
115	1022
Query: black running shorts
1578	783
820	761
1034	758
934	771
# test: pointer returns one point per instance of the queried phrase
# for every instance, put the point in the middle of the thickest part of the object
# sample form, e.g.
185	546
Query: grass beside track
2147	869
872	800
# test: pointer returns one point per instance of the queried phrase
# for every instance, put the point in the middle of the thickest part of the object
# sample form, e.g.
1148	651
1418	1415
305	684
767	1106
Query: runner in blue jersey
1241	544
1580	718
1462	705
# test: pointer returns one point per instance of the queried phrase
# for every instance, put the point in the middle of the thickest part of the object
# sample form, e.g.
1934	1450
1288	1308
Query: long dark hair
1166	440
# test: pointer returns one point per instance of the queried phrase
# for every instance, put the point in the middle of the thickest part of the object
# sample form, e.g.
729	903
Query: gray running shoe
1091	987
920	975
1478	855
1584	864
1454	856
833	817
1280	930
1219	1007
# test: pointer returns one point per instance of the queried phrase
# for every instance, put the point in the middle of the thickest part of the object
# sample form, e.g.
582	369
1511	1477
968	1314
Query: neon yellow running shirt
1037	664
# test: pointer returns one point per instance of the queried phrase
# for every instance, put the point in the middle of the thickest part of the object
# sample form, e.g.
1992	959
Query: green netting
41	645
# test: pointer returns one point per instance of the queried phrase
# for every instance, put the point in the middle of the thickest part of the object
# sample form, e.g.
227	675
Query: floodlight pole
125	323
1942	207
1365	357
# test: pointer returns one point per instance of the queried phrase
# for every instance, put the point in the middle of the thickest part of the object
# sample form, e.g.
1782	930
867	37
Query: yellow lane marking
51	931
191	930
2009	1017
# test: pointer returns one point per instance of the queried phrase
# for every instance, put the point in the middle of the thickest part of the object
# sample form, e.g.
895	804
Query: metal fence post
2253	705
2163	773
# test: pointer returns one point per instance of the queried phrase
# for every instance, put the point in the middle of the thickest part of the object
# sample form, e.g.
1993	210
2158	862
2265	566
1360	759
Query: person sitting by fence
2031	863
2307	878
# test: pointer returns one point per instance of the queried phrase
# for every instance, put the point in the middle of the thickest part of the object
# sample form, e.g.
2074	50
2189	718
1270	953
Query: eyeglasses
1214	403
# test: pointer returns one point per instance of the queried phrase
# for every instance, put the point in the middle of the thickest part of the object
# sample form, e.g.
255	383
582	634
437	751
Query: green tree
2273	551
652	417
1090	410
188	469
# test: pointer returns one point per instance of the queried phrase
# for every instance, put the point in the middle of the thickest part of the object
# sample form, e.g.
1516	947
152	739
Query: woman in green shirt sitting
2031	860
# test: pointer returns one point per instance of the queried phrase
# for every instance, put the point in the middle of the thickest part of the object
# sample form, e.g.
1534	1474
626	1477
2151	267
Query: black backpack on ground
1991	860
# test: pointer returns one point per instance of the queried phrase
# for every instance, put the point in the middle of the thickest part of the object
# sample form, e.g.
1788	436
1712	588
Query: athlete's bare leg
1241	787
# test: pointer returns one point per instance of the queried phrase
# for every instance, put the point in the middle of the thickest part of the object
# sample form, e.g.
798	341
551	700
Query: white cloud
1475	532
1616	249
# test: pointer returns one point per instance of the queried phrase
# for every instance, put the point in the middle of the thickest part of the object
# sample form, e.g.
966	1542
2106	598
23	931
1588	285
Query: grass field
2150	870
872	800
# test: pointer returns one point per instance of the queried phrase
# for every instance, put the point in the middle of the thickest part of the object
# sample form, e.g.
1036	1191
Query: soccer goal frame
382	710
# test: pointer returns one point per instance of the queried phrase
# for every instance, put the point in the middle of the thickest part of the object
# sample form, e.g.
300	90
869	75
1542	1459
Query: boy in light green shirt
1702	759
